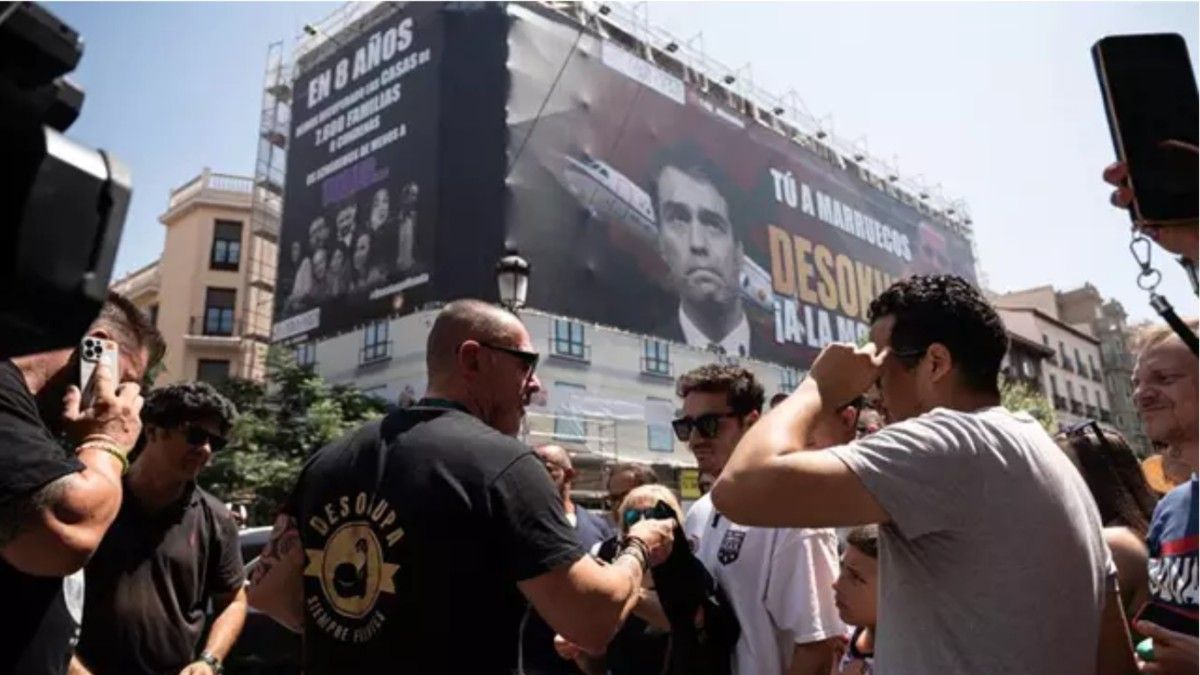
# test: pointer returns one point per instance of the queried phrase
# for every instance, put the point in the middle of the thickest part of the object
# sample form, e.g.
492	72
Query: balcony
1091	412
372	354
1096	376
1066	362
1105	416
1060	403
1076	407
218	189
215	331
658	368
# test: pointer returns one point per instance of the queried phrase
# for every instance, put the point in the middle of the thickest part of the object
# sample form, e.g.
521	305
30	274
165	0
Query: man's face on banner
318	234
696	238
345	221
379	209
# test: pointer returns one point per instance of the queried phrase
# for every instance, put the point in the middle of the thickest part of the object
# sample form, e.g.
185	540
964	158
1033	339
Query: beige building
211	291
1073	376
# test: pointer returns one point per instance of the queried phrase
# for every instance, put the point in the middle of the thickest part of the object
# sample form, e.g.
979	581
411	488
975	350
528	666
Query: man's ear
750	418
848	417
940	361
468	357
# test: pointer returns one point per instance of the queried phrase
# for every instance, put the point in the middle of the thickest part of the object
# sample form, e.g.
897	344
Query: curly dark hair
744	392
169	407
865	538
948	310
1113	475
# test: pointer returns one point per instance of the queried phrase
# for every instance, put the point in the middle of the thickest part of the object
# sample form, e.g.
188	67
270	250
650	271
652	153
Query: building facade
1107	320
1073	378
608	395
211	291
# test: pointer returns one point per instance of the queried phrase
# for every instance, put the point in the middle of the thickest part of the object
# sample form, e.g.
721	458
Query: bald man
408	544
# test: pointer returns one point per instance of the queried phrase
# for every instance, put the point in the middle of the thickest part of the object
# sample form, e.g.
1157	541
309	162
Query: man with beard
171	551
700	245
55	504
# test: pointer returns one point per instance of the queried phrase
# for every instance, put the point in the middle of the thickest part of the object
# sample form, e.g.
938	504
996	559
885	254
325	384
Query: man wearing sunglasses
779	581
172	549
437	529
989	535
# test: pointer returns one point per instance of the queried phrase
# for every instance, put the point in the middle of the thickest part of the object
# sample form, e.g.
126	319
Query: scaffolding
266	209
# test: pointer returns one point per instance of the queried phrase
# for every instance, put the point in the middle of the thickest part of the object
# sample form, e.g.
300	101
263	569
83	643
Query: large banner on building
355	239
647	204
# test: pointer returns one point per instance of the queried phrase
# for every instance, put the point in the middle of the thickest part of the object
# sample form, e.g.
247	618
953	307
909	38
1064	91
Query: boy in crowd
857	592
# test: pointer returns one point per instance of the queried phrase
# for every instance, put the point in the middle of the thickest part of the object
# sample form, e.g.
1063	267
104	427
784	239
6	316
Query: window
659	436
1062	353
227	245
789	379
306	353
567	425
212	371
1053	384
152	314
1098	403
218	311
568	339
1071	389
376	345
656	357
1078	363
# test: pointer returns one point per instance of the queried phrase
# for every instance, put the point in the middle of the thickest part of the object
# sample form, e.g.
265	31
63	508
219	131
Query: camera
62	205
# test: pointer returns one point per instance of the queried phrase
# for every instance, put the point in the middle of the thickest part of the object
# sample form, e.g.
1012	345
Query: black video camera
63	205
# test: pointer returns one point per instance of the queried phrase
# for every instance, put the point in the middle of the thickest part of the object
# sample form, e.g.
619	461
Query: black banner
647	204
356	241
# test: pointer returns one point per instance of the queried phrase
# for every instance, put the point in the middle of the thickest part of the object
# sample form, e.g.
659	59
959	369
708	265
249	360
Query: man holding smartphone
171	551
55	505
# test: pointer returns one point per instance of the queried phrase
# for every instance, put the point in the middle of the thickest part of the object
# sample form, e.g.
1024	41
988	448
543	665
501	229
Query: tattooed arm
276	586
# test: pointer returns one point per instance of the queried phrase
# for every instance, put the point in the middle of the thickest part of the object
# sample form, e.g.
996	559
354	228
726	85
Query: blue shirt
1172	541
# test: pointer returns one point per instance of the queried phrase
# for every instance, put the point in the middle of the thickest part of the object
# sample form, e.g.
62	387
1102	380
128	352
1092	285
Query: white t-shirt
779	581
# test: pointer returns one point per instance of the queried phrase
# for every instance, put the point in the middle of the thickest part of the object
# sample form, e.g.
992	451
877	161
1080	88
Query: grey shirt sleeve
919	472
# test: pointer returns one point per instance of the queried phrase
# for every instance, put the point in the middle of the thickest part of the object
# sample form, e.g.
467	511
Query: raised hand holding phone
114	409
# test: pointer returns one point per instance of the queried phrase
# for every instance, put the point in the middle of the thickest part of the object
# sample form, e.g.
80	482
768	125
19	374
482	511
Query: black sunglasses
707	425
1081	429
198	436
530	359
659	511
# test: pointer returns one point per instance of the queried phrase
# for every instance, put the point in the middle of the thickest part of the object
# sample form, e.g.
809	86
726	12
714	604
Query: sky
996	102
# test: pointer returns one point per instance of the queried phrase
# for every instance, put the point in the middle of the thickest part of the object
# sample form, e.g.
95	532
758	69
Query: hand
115	410
843	371
1173	652
197	668
657	535
566	649
1179	239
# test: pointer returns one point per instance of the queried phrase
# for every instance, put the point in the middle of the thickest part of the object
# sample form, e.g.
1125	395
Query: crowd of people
888	516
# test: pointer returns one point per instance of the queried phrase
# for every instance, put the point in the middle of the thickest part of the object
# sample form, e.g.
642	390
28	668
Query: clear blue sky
996	101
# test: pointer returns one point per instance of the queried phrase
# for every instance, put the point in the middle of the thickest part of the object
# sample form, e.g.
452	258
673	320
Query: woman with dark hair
1124	498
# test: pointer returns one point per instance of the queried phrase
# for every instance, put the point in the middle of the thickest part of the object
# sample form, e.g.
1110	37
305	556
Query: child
856	592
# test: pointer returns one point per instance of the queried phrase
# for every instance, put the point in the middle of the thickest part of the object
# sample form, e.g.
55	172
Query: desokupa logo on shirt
731	546
356	534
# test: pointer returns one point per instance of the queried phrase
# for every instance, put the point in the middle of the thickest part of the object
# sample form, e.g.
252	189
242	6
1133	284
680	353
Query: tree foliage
281	422
1019	396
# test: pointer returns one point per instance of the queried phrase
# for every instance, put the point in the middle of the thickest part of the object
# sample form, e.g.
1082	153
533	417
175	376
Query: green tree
281	422
1021	397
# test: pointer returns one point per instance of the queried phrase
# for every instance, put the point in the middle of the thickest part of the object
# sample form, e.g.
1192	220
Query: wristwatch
212	661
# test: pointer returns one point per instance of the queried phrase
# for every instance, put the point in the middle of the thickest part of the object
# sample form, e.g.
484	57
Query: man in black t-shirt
407	545
55	505
172	550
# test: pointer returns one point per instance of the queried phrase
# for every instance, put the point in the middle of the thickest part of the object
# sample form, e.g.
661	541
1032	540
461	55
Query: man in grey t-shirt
992	559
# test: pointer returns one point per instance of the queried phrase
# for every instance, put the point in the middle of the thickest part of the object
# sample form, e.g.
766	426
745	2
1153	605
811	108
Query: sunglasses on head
659	511
197	436
1080	430
707	425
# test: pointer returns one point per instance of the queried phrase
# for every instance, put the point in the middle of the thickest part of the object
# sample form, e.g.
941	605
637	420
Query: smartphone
1168	618
1150	95
93	352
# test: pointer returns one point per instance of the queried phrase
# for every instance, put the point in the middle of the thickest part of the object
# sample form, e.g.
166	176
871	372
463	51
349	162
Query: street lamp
512	278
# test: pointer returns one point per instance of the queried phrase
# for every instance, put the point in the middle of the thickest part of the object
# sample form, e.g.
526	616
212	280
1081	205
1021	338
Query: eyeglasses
659	511
530	359
197	436
707	425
